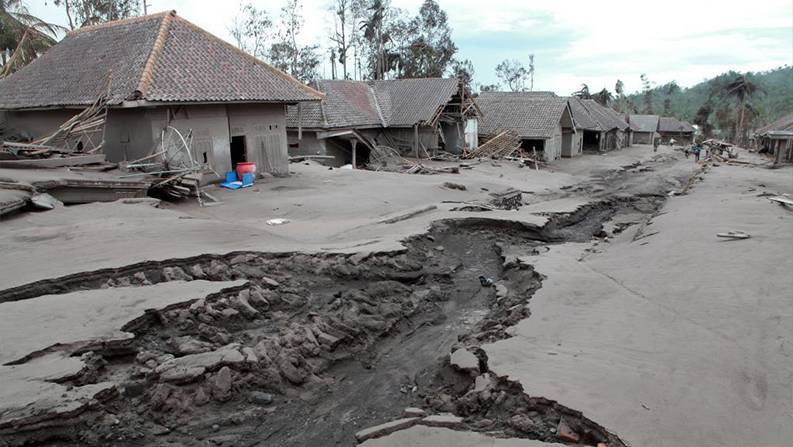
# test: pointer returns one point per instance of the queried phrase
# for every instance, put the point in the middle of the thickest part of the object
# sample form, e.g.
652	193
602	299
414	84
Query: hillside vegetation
710	105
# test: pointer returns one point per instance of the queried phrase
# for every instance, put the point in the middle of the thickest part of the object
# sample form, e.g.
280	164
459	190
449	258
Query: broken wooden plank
781	200
78	160
734	235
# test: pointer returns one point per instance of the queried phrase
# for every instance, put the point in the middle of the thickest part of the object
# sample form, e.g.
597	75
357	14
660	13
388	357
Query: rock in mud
522	423
412	412
220	384
442	420
465	361
189	345
175	274
386	429
260	398
565	432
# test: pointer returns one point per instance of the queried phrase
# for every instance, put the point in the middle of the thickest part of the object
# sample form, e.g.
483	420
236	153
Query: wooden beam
78	160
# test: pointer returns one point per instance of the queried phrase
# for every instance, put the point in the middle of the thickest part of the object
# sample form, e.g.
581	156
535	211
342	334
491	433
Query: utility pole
145	7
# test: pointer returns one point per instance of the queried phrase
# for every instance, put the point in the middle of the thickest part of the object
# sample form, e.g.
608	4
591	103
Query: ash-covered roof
159	58
644	123
386	103
784	124
529	114
670	124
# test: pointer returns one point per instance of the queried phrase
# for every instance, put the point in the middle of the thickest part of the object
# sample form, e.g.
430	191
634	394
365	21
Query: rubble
385	429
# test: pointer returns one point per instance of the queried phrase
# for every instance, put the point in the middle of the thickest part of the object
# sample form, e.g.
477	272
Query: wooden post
299	122
354	144
416	139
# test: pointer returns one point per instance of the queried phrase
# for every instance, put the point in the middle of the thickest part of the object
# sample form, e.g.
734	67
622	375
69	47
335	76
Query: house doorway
238	152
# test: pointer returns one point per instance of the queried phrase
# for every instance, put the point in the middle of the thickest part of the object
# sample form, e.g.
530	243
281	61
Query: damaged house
414	116
159	71
543	121
681	131
599	128
777	139
644	128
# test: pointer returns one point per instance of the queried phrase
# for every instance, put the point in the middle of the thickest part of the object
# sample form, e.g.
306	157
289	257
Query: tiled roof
388	103
606	117
670	124
405	102
531	115
583	118
159	57
644	123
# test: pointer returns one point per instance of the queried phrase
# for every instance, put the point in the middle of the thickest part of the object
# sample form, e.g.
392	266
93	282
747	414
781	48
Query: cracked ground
602	311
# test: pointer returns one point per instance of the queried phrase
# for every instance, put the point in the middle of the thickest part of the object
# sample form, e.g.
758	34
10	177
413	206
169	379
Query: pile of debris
502	145
385	158
720	150
77	142
173	161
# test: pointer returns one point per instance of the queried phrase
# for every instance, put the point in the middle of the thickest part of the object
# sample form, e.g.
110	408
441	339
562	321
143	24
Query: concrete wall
643	137
133	133
553	146
209	126
37	123
264	129
129	134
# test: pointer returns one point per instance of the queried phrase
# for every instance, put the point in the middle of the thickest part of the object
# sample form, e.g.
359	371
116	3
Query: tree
603	97
372	28
343	25
23	37
647	94
742	90
531	72
620	103
285	54
431	50
252	29
463	70
90	12
583	93
513	74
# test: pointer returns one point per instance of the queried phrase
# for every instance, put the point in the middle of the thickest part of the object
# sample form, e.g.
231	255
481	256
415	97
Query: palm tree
603	97
22	36
583	93
742	89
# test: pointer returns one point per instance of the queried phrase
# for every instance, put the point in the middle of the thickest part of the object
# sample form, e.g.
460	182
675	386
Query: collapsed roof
383	103
157	58
531	115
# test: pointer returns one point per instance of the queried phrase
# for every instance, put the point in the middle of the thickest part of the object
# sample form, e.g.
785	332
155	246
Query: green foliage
715	104
23	37
513	73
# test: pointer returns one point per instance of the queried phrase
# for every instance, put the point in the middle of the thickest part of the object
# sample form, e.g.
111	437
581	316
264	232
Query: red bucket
244	168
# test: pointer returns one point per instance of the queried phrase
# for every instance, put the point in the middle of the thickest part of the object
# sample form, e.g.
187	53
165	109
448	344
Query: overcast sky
574	41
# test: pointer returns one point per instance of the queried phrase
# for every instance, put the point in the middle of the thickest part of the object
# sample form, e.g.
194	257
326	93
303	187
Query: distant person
656	142
696	150
672	142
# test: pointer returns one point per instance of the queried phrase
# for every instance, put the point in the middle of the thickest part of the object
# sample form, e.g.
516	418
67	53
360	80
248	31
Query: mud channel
314	348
